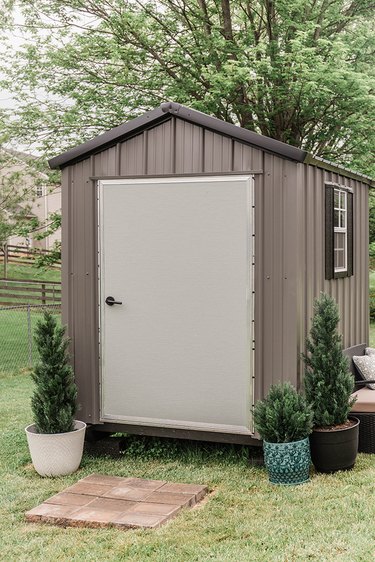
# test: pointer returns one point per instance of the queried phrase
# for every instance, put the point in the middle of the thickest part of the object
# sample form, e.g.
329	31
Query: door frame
194	427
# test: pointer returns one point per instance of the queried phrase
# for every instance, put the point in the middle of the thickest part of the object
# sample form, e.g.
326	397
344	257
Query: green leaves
54	400
283	416
300	71
328	382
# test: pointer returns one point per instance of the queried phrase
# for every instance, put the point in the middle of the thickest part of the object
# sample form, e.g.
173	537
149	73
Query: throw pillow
366	367
370	351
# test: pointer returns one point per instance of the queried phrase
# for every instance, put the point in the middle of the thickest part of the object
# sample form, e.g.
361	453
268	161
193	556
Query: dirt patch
346	425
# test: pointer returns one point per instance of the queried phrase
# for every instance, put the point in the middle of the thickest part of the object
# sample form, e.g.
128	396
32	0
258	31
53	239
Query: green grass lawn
13	323
245	518
15	345
14	340
15	271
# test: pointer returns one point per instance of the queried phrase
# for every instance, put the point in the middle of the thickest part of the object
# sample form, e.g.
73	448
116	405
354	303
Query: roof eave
169	109
332	167
237	133
108	138
164	112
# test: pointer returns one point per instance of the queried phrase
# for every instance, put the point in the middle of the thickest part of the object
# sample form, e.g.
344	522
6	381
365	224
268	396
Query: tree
299	71
52	224
14	211
20	174
328	381
54	400
283	416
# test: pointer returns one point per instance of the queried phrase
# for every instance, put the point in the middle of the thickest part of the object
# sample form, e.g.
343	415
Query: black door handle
111	301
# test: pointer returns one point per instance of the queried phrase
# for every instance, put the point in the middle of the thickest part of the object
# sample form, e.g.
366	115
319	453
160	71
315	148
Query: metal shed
215	240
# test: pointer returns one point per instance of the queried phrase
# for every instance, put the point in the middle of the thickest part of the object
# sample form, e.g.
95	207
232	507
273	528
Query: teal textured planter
288	463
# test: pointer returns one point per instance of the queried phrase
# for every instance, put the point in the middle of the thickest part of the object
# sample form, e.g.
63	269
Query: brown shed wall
289	245
351	293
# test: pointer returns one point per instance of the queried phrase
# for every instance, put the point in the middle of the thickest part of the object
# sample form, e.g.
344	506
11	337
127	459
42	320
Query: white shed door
177	253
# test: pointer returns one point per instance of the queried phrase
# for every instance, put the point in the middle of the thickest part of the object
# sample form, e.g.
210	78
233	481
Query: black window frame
330	272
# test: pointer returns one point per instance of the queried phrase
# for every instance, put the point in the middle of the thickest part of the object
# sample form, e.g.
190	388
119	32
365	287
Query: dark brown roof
164	113
168	109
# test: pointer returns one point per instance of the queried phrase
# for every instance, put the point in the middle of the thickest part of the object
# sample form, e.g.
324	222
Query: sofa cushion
366	367
370	351
365	400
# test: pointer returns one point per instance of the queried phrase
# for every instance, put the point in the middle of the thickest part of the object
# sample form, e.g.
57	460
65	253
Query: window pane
340	223
339	240
339	259
337	198
343	200
343	219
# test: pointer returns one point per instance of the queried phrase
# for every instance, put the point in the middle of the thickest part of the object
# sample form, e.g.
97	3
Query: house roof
168	109
23	158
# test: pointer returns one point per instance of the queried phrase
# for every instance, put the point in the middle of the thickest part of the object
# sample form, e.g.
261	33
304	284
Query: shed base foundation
97	431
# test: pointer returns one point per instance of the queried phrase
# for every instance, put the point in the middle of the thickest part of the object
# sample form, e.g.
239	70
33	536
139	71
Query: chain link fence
17	324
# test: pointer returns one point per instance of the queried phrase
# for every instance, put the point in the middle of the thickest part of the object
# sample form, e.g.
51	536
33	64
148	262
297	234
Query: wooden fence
16	292
22	255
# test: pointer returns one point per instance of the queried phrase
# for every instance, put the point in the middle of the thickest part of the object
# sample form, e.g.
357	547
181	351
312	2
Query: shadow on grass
185	451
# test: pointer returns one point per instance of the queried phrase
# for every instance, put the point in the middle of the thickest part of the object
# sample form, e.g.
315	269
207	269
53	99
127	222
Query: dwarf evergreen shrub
283	416
54	400
328	381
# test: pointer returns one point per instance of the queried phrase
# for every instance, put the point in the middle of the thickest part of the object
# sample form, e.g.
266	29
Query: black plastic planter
335	450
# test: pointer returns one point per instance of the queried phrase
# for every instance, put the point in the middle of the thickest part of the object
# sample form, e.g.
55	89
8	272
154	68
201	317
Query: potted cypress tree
329	386
284	421
55	438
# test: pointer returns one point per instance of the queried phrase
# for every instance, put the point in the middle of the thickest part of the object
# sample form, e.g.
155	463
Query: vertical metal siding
105	162
276	274
260	344
67	238
81	358
160	149
289	246
189	148
217	153
131	155
246	157
350	293
80	308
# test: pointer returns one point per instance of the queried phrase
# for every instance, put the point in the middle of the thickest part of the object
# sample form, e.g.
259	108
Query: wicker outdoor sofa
364	408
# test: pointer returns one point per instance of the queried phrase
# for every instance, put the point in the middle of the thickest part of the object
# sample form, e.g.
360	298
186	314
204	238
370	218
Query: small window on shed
339	232
39	191
340	247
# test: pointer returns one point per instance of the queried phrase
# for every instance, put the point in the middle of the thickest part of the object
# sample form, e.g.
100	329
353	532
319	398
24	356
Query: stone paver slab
113	504
151	485
87	515
70	499
189	489
88	488
169	497
104	480
48	510
136	520
112	501
154	508
127	493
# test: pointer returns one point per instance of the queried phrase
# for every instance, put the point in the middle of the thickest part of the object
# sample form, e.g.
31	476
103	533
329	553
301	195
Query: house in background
41	199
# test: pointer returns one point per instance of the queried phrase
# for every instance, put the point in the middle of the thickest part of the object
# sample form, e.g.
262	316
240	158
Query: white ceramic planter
56	454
